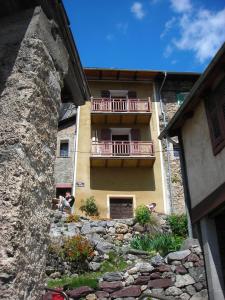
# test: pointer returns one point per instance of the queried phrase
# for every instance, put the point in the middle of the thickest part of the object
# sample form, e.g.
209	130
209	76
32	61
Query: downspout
167	144
76	133
186	186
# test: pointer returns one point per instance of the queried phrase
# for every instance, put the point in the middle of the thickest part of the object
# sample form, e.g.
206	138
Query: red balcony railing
122	148
121	105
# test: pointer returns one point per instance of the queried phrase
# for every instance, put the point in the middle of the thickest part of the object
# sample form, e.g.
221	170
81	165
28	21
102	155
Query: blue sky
173	35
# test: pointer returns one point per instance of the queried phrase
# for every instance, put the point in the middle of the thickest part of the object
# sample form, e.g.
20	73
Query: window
64	149
176	151
215	110
181	97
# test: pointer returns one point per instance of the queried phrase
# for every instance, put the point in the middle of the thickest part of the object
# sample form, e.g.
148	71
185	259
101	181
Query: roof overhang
211	77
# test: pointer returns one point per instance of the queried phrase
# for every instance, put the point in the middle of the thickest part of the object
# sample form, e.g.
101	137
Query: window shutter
105	94
105	134
132	95
135	134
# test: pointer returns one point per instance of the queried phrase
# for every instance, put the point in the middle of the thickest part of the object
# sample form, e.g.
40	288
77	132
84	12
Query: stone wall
64	166
170	106
33	64
179	275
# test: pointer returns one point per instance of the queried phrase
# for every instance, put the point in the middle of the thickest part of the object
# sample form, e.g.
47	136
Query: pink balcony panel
121	105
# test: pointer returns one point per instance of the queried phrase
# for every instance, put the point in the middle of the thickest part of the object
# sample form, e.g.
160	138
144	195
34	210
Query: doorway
121	208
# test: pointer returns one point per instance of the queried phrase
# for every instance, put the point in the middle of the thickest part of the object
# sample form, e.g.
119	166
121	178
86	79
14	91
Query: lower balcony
122	154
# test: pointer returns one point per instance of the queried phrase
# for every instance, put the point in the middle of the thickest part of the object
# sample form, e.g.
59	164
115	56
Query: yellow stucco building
119	156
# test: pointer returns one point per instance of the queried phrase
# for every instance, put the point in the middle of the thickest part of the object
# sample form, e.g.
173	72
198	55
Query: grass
162	243
113	263
90	280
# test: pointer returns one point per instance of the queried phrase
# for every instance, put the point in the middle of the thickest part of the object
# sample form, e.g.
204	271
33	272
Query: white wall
205	171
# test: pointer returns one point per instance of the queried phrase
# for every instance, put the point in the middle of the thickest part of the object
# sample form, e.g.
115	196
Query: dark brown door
121	208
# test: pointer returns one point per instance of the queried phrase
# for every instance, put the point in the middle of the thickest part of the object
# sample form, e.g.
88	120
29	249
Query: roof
202	87
67	110
108	74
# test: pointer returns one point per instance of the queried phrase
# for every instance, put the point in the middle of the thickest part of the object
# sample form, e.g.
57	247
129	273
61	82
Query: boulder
79	292
160	283
173	291
202	295
184	296
94	266
139	228
163	268
155	275
113	276
190	289
193	257
178	255
197	273
121	228
110	287
91	297
156	260
144	267
104	247
101	294
99	229
130	291
181	270
189	243
142	280
86	229
184	280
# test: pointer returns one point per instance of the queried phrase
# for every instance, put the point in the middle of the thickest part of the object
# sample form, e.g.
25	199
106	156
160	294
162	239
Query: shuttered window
132	94
215	109
105	134
105	94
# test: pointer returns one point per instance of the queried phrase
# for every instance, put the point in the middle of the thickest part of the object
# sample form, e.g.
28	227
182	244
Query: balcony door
120	144
121	208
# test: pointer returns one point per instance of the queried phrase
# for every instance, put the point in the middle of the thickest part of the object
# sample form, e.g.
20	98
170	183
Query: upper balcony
122	154
120	111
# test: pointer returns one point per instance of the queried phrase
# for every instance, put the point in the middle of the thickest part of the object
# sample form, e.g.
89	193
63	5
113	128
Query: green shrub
161	242
178	224
89	207
114	263
77	249
143	215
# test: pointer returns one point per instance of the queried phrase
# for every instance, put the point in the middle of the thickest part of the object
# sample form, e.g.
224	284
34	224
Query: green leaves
89	207
178	224
143	215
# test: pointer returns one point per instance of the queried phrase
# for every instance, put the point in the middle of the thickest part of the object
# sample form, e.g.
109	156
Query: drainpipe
76	135
167	144
186	185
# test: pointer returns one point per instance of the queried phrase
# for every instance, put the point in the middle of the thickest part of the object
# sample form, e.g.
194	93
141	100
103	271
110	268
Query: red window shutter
105	94
135	134
132	95
105	134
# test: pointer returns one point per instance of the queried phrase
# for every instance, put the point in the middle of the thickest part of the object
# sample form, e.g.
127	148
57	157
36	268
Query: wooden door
121	208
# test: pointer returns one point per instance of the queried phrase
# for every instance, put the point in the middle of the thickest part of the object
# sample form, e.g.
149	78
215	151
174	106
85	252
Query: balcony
120	111
122	154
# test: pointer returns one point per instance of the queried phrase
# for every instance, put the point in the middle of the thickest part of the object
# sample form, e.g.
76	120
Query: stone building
65	150
40	68
199	125
172	88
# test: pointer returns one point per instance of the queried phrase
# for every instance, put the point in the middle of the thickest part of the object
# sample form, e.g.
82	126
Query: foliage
178	224
89	207
77	249
72	218
160	242
113	263
75	282
143	215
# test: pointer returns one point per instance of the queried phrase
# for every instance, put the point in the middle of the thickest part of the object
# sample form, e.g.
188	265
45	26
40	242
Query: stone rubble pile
180	275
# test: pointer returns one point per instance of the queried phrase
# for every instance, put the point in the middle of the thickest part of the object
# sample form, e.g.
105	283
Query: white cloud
122	27
181	6
202	32
168	51
137	10
168	26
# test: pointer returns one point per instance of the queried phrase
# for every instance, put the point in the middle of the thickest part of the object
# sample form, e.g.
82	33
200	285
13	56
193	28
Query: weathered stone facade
34	62
64	166
170	89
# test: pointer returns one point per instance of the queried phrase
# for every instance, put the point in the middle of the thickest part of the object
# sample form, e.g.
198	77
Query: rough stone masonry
33	65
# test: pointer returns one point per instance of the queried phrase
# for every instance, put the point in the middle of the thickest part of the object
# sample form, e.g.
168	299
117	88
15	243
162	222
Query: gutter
185	185
167	144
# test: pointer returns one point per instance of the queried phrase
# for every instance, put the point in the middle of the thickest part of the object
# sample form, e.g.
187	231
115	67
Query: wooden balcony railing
122	148
121	105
